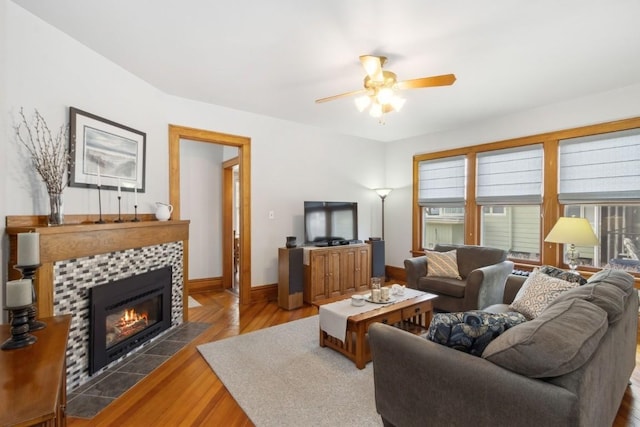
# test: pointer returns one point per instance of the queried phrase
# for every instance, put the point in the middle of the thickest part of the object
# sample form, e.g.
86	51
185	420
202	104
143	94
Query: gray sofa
483	270
421	383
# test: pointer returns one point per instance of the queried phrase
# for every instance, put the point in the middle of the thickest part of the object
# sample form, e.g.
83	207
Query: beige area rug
280	376
193	303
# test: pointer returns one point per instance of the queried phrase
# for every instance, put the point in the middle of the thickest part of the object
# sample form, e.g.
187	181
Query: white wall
201	202
291	163
47	70
602	107
4	138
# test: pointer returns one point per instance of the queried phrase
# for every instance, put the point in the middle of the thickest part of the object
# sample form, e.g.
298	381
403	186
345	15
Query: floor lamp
383	193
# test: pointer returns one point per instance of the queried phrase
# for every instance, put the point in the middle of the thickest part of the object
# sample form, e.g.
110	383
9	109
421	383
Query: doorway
243	144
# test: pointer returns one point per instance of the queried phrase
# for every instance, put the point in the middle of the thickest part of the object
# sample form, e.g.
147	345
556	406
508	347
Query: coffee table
412	314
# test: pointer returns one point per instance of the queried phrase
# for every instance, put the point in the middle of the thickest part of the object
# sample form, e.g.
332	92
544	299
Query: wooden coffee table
413	314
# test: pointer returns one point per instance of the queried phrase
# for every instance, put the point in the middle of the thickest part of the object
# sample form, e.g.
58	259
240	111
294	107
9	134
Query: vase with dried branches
50	158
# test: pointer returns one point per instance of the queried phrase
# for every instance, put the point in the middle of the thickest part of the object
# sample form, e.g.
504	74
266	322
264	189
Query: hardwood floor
184	391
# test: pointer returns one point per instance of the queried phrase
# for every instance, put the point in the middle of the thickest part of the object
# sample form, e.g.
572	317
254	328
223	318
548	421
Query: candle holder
100	221
135	214
29	272
119	217
20	336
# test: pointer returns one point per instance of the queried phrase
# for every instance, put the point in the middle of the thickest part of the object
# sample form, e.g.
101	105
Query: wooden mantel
81	239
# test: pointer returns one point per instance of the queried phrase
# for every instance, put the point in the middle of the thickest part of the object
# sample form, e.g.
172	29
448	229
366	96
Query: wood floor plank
184	391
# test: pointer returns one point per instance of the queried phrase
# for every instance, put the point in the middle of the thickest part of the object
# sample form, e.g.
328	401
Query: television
330	223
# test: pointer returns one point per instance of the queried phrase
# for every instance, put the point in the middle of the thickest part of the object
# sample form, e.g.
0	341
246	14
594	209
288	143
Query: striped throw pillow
442	264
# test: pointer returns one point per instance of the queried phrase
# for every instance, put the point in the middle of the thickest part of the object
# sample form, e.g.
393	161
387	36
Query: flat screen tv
328	223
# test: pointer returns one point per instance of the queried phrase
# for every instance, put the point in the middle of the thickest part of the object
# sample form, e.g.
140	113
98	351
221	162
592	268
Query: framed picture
104	153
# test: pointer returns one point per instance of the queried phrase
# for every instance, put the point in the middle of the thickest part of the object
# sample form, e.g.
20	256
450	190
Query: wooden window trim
551	209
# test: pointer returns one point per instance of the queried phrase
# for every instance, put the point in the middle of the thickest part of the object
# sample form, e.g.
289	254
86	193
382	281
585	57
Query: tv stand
336	270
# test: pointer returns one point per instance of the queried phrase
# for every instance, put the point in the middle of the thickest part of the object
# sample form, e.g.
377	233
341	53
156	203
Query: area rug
280	376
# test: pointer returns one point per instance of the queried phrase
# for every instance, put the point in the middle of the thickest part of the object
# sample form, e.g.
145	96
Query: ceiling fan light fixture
375	110
397	103
362	102
385	95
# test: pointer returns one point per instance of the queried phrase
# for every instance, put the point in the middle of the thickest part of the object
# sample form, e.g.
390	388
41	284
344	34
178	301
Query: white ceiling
275	57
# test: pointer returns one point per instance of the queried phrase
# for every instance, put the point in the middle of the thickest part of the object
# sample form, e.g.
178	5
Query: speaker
377	258
290	277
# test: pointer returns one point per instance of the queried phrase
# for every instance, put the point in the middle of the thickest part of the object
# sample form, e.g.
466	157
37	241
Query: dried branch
49	155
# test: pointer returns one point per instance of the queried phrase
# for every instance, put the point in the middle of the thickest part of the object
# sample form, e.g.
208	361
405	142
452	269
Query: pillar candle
98	175
119	193
28	248
19	293
135	194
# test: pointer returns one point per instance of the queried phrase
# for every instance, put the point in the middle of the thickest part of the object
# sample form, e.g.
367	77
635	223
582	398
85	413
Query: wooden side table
33	386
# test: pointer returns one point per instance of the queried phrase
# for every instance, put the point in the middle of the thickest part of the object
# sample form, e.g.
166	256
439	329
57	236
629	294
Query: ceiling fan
381	87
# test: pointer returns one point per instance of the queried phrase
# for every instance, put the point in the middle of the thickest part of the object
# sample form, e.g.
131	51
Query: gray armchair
484	271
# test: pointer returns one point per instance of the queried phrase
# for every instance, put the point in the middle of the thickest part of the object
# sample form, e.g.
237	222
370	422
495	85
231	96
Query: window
618	230
442	198
494	210
600	181
510	198
509	189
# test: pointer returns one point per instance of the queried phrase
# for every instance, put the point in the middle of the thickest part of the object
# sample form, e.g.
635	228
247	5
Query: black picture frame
105	153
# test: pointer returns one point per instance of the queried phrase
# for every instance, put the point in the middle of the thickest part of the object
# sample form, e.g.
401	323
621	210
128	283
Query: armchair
483	270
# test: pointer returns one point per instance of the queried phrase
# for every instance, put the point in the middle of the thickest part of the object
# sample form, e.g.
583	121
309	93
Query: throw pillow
442	264
537	292
559	273
559	341
471	331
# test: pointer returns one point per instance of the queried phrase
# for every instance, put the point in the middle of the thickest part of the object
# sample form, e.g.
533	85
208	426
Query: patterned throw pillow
471	331
559	273
537	292
442	264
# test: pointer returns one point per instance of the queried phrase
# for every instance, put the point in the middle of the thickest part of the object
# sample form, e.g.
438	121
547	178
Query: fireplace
126	313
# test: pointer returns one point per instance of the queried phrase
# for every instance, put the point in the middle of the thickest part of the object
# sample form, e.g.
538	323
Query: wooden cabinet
336	270
33	378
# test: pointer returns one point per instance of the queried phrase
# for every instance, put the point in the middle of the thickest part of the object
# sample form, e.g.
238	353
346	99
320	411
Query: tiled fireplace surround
74	277
76	257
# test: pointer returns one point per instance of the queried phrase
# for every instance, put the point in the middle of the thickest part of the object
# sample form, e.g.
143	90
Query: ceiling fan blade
443	80
342	95
373	66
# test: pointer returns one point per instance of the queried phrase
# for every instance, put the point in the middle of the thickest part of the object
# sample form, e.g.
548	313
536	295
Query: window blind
600	168
510	177
441	182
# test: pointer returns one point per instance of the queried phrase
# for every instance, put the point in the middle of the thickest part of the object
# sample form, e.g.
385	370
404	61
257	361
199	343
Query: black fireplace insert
127	313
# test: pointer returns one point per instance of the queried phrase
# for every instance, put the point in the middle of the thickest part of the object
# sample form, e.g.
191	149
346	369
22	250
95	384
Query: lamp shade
572	230
383	192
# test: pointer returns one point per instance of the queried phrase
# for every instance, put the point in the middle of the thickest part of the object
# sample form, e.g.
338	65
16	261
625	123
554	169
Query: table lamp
572	231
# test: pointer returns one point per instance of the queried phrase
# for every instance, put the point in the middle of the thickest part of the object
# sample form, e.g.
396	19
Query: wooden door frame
227	221
243	144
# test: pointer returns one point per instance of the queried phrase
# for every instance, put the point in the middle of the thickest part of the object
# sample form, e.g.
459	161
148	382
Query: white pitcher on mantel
163	211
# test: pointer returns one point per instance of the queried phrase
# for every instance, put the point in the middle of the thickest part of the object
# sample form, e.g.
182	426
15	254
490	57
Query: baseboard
195	286
264	293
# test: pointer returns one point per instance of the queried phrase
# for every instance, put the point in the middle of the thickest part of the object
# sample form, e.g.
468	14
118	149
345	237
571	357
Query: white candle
98	175
19	293
119	193
28	248
135	194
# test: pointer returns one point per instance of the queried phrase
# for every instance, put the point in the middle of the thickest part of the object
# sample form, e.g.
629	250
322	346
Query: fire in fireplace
127	313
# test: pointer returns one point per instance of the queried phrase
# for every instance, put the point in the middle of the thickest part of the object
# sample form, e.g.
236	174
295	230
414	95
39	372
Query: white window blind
441	182
510	177
600	168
